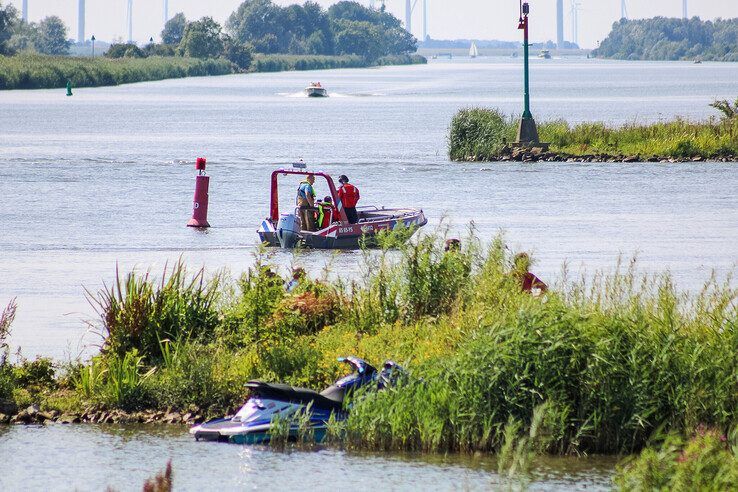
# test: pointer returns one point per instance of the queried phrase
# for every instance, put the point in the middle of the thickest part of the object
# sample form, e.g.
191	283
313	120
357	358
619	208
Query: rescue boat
285	230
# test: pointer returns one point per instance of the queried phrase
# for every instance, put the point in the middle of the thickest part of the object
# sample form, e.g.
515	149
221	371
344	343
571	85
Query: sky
447	19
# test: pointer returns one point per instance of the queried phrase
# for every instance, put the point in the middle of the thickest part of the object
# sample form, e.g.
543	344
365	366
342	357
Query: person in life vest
528	281
306	202
326	213
349	196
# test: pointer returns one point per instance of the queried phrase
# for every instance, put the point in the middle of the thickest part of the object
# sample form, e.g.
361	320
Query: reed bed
48	72
596	365
282	63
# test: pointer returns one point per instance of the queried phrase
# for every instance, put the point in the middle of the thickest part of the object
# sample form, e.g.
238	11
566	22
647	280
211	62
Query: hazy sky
447	19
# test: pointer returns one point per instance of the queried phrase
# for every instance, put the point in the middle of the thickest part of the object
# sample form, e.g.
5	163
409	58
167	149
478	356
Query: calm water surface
105	178
89	457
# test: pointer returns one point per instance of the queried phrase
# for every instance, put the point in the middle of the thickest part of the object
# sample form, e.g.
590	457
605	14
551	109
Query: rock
8	407
69	419
44	416
33	410
4	419
632	158
186	417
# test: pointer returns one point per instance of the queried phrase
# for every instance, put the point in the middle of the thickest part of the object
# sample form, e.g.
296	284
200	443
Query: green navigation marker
527	131
69	88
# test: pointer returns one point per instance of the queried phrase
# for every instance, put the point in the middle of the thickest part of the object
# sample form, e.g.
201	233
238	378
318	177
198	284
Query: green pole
526	111
69	87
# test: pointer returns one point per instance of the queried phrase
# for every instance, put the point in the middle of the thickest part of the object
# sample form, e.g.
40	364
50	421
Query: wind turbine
166	11
24	10
575	21
623	9
129	20
81	21
684	10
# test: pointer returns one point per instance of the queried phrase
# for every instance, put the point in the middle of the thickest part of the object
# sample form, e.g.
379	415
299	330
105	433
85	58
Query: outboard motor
288	230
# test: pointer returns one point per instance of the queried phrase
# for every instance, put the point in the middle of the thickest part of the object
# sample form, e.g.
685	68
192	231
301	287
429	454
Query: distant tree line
49	36
256	26
663	38
431	43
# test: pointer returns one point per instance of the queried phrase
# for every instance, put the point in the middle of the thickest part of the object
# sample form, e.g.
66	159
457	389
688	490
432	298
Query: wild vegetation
43	72
483	134
662	38
706	460
591	366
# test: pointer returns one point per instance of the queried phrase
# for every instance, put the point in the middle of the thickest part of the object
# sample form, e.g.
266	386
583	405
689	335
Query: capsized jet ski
253	421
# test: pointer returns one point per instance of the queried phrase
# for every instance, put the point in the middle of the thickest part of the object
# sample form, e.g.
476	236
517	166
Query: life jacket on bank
349	195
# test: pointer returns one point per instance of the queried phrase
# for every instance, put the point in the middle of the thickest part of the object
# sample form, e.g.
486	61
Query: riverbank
45	72
598	366
287	63
479	134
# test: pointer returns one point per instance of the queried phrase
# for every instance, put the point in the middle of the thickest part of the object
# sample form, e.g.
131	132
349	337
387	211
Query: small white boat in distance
316	90
473	51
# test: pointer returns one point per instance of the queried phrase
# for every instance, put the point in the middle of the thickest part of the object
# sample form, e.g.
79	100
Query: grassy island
479	134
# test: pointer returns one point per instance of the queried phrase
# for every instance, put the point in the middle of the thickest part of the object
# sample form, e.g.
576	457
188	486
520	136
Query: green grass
480	134
596	366
47	72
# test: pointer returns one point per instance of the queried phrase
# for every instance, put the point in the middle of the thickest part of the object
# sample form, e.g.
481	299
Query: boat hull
316	92
349	236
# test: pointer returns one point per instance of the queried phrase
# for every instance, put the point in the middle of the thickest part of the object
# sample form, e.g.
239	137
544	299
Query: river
105	178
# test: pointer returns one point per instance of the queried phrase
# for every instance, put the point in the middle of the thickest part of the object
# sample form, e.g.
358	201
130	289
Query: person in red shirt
528	282
349	196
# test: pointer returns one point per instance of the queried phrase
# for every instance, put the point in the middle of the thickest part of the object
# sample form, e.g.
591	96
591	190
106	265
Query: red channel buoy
200	203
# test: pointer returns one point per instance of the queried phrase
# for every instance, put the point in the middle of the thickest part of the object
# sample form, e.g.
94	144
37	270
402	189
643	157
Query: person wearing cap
306	202
349	196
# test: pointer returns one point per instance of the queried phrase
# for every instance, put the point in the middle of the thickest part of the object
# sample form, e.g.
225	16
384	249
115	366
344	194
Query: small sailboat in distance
473	51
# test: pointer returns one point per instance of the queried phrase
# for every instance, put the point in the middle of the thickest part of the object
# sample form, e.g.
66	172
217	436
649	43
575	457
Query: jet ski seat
292	394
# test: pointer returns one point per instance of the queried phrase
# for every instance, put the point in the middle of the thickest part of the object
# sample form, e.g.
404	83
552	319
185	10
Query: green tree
51	37
8	20
174	29
254	20
125	50
202	39
238	53
24	35
358	38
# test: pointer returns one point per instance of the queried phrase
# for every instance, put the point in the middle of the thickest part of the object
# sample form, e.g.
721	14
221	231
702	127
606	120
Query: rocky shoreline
539	154
34	415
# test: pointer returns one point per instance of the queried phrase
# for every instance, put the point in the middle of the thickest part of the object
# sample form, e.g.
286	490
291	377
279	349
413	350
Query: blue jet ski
252	423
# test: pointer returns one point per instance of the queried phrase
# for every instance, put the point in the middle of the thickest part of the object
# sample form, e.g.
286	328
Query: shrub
125	50
478	134
707	461
136	313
